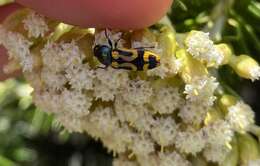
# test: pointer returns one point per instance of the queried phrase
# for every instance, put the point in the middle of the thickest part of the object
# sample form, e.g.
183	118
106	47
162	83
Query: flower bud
226	101
249	148
226	52
246	67
191	67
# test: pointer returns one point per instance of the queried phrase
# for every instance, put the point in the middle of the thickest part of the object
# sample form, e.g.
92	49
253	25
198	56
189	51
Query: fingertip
8	9
126	14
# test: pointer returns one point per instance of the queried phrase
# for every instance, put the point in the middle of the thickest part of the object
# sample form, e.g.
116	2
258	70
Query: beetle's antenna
144	47
108	39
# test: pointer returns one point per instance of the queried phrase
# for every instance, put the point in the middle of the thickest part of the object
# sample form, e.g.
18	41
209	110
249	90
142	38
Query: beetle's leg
100	67
116	43
108	39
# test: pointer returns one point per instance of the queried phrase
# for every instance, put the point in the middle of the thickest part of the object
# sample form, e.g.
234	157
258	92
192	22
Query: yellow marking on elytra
115	54
146	56
128	65
128	58
115	64
146	67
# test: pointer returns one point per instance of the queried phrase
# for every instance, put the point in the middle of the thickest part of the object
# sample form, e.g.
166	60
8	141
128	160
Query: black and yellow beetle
121	58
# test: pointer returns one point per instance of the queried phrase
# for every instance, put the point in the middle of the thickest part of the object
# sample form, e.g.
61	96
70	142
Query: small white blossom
164	131
167	100
255	73
202	89
240	116
52	80
201	47
105	122
137	92
193	112
58	57
18	48
35	25
138	116
219	133
142	145
76	102
48	101
143	123
190	141
80	77
108	83
120	140
216	153
172	159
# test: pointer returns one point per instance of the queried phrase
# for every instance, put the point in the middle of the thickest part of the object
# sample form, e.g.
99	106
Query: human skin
118	14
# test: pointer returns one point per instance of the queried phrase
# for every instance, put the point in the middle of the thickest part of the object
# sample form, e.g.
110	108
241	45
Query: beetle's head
103	53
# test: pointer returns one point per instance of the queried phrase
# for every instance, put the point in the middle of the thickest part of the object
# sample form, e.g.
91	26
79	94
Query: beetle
136	59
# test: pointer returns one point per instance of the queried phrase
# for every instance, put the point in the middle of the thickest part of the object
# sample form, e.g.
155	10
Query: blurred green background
30	137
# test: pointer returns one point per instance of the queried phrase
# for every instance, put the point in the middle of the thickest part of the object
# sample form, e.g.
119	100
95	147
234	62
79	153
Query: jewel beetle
136	59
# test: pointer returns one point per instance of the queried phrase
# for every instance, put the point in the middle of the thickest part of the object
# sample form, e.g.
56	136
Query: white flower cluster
202	48
199	98
17	47
35	25
147	121
240	116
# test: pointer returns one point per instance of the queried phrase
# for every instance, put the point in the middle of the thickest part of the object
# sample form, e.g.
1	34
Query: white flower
219	133
255	73
52	80
80	77
119	140
35	25
240	116
48	101
18	48
190	141
166	100
58	57
108	83
216	153
172	159
142	145
164	131
137	92
202	48
193	112
76	102
201	90
105	122
148	160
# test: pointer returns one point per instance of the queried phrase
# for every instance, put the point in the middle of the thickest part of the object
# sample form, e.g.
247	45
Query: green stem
219	18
